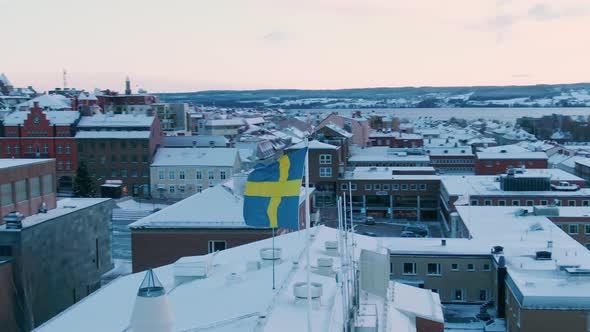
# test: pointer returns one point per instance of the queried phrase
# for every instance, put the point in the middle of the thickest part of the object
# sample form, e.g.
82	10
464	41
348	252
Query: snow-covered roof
4	80
113	134
255	121
225	122
446	151
237	298
383	154
339	130
87	96
218	206
59	118
116	120
219	157
53	102
313	145
198	141
394	134
390	173
9	163
583	162
512	155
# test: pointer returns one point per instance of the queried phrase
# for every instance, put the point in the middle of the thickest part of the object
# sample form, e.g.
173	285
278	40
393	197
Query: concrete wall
7	298
60	261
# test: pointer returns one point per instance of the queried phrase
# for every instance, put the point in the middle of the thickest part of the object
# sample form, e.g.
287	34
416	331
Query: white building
177	173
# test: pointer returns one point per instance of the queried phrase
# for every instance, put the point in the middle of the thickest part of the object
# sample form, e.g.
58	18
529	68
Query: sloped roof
54	102
225	157
59	118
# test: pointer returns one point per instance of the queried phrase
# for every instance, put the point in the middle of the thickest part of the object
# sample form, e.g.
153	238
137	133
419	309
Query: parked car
408	234
369	221
418	230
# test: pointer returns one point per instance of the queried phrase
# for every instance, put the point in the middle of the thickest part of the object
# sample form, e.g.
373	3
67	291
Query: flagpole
273	258
307	233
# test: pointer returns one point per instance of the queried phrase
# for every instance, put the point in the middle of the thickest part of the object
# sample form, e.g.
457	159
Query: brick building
492	163
120	147
397	192
452	160
355	124
582	168
26	184
395	139
178	231
43	134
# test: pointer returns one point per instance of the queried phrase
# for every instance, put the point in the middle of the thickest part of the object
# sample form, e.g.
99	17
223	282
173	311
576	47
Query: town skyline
305	45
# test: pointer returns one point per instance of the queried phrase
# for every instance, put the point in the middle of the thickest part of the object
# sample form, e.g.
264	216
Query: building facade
492	163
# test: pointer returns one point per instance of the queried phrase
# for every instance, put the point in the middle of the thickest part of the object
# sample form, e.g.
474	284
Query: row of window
37	186
434	269
68	165
198	175
44	148
452	161
112	144
460	294
386	187
122	173
516	202
575	228
120	159
180	188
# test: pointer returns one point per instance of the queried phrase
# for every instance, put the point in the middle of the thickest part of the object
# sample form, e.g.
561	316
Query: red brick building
395	139
25	184
43	134
493	163
452	160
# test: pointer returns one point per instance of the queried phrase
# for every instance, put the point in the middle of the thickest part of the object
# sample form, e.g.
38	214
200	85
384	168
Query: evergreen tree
84	184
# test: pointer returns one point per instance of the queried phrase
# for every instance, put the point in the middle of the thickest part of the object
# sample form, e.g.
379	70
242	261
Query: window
223	176
543	202
409	268
571	203
171	175
6	194
325	159
433	269
47	184
572	229
45	148
20	189
172	189
181	175
181	188
199	188
487	202
35	185
123	158
5	251
325	172
60	165
404	187
470	267
395	187
515	202
161	175
454	267
530	203
422	187
486	267
585	203
483	294
114	173
134	173
459	295
29	148
68	165
16	149
368	187
113	159
386	187
199	175
68	149
211	175
133	145
123	172
134	159
413	187
8	148
377	187
217	245
123	144
501	202
353	186
144	158
343	186
587	229
474	202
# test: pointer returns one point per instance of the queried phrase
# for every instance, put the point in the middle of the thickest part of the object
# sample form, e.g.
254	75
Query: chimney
35	104
151	312
454	224
14	220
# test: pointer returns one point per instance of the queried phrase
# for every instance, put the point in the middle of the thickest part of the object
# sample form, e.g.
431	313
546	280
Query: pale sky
191	45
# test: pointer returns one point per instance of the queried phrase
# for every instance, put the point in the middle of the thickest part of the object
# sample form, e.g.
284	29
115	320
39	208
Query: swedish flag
271	198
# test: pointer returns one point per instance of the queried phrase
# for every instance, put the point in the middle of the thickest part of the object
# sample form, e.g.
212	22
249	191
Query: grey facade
58	260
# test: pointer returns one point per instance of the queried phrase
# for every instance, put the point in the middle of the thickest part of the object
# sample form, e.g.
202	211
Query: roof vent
270	254
300	290
151	312
550	211
190	268
543	255
331	247
536	227
521	212
14	220
497	250
325	266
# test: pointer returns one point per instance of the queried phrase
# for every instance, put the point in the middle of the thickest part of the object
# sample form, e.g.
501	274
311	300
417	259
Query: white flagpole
354	288
307	234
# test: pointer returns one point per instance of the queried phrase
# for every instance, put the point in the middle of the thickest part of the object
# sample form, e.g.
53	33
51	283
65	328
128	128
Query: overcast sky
189	45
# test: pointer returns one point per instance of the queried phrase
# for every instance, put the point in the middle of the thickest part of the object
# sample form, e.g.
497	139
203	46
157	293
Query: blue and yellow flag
271	198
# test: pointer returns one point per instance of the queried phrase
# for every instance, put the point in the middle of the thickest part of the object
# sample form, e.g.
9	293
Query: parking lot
384	227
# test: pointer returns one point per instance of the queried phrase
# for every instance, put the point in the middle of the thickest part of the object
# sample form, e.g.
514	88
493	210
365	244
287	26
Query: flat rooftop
10	163
387	173
384	154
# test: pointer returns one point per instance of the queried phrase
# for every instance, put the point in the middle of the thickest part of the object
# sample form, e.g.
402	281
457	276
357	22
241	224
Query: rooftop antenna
65	79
